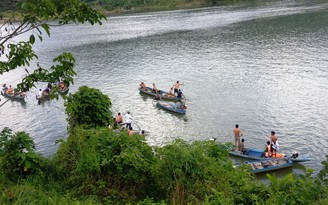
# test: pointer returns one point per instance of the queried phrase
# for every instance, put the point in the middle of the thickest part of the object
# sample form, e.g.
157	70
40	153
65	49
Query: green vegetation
88	107
96	165
119	6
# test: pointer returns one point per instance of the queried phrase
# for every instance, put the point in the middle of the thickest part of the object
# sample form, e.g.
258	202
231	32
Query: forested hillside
151	4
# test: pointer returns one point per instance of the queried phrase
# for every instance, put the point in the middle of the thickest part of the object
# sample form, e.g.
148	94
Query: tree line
129	4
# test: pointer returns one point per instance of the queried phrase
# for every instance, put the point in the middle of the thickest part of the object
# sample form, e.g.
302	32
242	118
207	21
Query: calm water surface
261	66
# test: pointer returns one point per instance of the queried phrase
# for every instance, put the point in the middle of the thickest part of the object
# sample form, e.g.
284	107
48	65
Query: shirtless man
143	85
237	134
170	93
155	90
176	87
273	140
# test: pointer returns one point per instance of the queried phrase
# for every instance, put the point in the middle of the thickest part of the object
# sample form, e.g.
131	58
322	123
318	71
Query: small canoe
256	154
15	96
268	165
164	95
171	106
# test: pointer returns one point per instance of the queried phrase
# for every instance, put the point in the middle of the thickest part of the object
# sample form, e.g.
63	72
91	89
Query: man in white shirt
40	93
128	120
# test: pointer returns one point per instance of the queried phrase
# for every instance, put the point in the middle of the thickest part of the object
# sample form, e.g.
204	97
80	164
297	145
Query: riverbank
122	11
194	4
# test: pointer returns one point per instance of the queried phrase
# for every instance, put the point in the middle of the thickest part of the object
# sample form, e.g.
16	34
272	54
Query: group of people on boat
118	121
45	92
271	147
10	91
173	91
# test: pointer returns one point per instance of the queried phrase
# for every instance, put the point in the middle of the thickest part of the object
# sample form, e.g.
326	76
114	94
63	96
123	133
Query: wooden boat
268	165
256	154
121	128
15	96
171	106
164	95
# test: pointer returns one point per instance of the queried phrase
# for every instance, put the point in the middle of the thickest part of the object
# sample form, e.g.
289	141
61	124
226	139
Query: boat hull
164	95
268	165
256	154
13	97
170	107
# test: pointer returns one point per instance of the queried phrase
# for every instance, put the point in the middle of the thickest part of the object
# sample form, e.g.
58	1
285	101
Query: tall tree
35	15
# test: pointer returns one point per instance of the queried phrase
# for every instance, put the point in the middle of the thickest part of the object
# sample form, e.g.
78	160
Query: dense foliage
88	107
100	166
32	18
17	154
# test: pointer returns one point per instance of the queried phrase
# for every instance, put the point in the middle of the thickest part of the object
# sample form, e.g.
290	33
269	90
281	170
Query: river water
261	65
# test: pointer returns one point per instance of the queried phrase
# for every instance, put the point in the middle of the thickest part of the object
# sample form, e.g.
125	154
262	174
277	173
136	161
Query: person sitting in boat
241	146
155	90
170	93
267	152
46	91
131	132
10	90
143	85
180	94
62	85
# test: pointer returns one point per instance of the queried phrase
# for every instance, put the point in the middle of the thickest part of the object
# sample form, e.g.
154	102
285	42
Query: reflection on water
261	66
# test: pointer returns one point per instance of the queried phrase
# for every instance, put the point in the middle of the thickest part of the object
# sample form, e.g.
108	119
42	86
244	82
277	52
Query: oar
136	124
4	102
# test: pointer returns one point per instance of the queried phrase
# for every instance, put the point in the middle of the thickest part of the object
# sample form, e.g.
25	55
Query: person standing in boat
237	132
128	120
274	143
176	87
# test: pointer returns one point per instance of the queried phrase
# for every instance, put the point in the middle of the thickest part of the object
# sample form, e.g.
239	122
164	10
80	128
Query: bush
17	153
88	107
114	166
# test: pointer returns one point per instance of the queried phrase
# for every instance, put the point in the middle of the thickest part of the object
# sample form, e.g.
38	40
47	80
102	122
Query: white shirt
40	93
128	118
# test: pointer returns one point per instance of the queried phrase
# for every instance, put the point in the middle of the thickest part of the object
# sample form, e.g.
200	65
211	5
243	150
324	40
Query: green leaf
32	39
